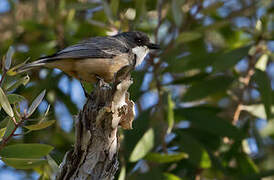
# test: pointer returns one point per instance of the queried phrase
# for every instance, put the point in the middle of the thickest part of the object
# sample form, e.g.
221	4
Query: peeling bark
95	154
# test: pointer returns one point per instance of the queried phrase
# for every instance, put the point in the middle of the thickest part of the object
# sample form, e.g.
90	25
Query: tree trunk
95	154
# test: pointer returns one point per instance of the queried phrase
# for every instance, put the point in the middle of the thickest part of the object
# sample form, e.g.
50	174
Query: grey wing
97	47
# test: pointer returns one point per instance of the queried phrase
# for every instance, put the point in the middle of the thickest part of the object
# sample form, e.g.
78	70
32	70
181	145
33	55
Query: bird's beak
153	46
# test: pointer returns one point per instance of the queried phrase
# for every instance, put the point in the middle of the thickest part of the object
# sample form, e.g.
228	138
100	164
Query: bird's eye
139	41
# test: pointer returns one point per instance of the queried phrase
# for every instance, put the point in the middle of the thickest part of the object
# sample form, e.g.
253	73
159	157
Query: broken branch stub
95	154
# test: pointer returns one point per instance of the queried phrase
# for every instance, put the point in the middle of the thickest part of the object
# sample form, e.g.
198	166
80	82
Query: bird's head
137	39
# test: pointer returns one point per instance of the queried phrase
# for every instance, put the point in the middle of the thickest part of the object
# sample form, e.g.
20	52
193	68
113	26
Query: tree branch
95	153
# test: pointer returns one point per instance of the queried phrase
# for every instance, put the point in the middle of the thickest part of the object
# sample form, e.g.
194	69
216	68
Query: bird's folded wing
97	47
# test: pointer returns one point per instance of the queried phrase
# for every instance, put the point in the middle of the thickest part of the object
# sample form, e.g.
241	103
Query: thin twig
5	140
246	82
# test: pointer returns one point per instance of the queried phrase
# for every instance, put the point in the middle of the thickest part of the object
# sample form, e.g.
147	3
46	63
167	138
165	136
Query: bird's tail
26	67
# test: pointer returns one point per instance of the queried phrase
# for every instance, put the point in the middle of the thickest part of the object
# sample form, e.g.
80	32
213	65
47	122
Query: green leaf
212	8
144	145
197	154
170	113
262	62
140	7
2	132
44	117
40	126
263	174
36	103
190	79
217	25
4	122
24	80
29	151
81	6
5	103
107	10
87	86
140	125
169	106
206	87
23	163
122	175
268	130
246	165
165	158
10	127
257	110
229	59
264	86
26	151
114	6
15	98
204	119
185	37
176	7
54	166
169	176
220	61
138	77
205	160
9	57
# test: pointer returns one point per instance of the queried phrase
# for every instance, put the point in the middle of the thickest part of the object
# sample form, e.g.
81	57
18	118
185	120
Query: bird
97	57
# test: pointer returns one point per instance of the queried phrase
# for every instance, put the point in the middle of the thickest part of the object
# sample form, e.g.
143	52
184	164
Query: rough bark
95	154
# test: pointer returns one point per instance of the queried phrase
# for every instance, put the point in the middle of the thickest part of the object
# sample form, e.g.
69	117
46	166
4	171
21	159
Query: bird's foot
100	81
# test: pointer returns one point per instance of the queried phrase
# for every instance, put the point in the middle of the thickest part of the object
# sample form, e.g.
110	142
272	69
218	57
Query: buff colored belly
88	69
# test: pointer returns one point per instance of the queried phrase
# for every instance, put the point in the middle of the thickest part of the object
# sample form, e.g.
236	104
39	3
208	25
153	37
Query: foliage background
204	102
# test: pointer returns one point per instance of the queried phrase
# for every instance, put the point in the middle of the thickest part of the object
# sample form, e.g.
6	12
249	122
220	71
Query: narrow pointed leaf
23	163
26	151
169	176
165	158
9	57
212	7
264	86
2	132
114	6
15	98
226	60
144	145
185	37
5	103
4	122
140	7
54	166
262	62
177	12
207	87
204	119
107	10
169	114
47	111
10	127
40	126
256	110
122	175
22	81
195	150
246	164
36	103
12	71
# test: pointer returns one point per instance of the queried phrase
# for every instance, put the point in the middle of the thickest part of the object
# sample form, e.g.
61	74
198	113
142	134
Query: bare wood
95	154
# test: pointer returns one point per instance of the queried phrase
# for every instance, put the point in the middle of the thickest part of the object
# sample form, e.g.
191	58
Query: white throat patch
141	52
